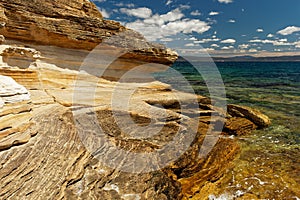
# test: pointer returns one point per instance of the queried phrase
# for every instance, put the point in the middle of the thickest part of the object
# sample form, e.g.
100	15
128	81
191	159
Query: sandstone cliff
72	24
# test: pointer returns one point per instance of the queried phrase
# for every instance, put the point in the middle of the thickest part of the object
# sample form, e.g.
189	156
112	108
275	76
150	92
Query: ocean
269	164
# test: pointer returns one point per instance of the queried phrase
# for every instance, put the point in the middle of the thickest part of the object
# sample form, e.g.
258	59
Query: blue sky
220	27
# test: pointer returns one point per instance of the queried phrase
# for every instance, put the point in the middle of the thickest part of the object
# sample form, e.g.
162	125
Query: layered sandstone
72	24
46	141
54	101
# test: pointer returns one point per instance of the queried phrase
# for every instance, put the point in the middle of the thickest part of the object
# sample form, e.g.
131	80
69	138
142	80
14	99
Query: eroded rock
11	91
253	115
73	24
47	143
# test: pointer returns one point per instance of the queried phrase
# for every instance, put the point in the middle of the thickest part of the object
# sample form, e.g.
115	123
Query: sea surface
269	164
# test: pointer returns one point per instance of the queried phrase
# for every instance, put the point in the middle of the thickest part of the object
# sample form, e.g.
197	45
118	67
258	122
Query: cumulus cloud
213	13
129	5
104	13
137	12
252	50
206	40
227	47
186	26
270	35
281	42
231	21
228	41
289	30
244	46
259	30
215	45
297	44
195	13
190	45
168	17
225	1
159	26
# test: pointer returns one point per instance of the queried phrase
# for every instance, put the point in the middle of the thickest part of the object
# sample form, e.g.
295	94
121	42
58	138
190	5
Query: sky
219	27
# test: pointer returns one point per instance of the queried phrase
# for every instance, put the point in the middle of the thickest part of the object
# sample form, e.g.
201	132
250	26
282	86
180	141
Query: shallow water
269	164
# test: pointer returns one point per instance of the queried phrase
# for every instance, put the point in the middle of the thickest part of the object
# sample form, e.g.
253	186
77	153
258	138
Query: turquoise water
269	164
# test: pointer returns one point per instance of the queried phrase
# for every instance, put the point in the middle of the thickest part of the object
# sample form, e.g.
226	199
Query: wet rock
253	115
239	126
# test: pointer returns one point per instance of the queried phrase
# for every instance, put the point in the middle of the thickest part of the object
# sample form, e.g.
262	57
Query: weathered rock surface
72	24
49	144
14	117
253	115
12	92
45	142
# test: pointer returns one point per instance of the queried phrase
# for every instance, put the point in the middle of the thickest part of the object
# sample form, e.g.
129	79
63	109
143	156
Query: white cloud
183	7
215	45
137	12
208	49
225	1
193	39
259	30
244	46
289	30
227	48
169	2
270	35
297	44
162	19
206	40
190	45
195	13
281	42
104	13
186	26
165	25
99	1
166	39
231	21
129	5
213	13
252	50
228	41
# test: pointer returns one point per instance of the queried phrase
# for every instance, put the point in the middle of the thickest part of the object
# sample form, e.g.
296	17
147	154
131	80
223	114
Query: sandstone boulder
253	115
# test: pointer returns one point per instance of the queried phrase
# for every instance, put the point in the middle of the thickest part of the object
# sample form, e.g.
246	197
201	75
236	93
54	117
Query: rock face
64	130
72	24
12	92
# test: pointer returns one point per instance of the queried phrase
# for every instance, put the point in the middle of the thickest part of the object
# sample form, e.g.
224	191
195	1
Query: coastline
45	140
